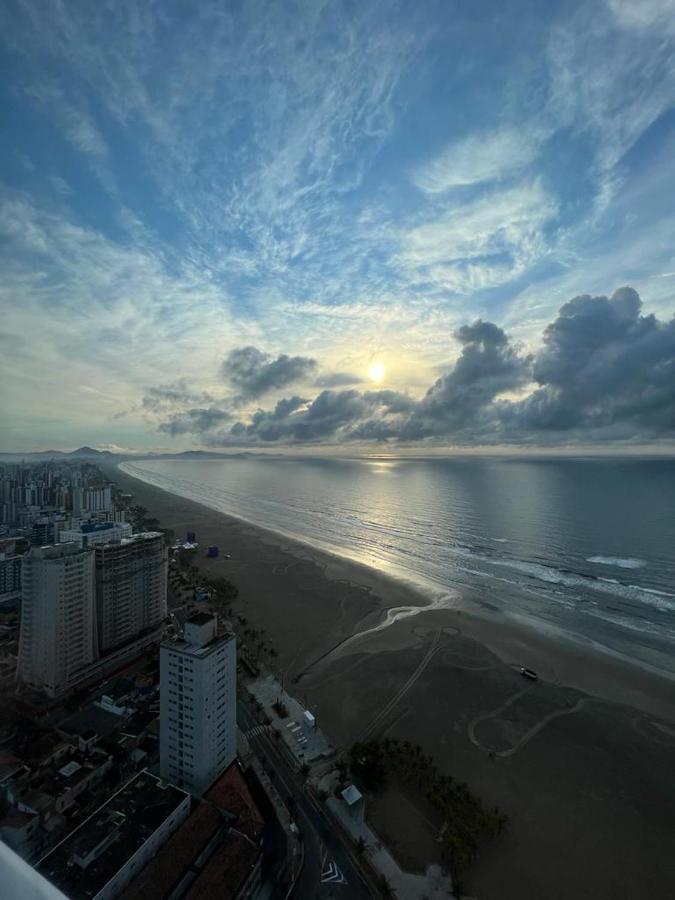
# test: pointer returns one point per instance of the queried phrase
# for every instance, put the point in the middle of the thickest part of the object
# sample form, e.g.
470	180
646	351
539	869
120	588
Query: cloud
254	373
488	365
478	158
332	182
178	393
337	379
604	371
195	421
656	15
604	367
480	243
331	415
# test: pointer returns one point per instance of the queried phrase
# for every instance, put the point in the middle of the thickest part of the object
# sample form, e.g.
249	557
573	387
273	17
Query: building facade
92	534
10	571
198	705
58	639
131	583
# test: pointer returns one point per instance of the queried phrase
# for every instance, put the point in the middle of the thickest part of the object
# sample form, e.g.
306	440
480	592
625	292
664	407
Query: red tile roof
227	870
231	794
164	872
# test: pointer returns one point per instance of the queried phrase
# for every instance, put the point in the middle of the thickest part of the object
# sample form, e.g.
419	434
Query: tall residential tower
131	576
58	639
198	704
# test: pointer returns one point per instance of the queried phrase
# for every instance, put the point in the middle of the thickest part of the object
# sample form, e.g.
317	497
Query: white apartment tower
131	580
58	617
198	711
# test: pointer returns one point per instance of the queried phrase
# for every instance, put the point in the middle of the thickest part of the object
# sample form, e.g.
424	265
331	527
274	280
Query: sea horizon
611	592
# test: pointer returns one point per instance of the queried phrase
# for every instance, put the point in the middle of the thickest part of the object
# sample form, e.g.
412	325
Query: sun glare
376	372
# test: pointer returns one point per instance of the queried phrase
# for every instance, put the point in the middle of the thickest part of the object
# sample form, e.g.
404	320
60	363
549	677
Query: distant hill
89	451
105	455
80	453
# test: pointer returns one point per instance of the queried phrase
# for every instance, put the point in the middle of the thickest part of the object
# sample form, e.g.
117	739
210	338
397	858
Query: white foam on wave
621	562
633	592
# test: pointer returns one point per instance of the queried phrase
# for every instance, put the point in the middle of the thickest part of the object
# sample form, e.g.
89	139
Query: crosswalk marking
332	875
257	730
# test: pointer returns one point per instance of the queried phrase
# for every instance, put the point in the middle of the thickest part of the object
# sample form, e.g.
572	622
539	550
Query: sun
376	372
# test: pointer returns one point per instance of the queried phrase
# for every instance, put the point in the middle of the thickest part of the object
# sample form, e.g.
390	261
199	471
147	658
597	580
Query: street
327	870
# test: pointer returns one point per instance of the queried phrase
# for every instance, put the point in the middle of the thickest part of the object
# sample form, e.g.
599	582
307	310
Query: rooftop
164	872
351	795
83	863
228	803
200	618
183	646
231	794
132	539
231	864
94	527
9	764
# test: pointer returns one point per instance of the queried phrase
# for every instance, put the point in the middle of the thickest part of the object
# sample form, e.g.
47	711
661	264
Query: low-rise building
113	846
216	852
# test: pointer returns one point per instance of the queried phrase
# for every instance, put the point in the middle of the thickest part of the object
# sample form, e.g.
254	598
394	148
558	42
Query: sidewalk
308	744
433	885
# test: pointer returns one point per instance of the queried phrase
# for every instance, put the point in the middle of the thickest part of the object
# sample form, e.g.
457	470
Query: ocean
583	548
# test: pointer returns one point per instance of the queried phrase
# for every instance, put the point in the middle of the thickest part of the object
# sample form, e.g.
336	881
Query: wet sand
582	759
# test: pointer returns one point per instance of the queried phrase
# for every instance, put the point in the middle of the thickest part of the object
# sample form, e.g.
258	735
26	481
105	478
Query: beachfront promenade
304	748
325	852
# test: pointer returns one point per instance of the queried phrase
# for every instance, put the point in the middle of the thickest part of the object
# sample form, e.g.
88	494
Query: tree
385	887
368	763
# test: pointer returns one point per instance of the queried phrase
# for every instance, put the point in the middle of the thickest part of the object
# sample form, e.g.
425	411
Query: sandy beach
580	760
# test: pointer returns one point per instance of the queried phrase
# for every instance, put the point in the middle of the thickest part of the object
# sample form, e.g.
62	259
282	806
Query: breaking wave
618	561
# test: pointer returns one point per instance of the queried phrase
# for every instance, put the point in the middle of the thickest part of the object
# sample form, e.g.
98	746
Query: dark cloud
604	367
488	365
268	425
178	393
195	421
342	415
604	372
253	373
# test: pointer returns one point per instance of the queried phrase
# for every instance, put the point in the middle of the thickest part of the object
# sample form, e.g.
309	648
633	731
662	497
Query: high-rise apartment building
198	704
131	579
89	534
58	640
10	570
85	610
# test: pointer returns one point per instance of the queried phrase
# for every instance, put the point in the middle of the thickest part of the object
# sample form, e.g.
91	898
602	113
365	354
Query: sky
337	224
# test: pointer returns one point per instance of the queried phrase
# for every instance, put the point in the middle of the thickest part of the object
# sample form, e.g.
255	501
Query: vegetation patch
466	822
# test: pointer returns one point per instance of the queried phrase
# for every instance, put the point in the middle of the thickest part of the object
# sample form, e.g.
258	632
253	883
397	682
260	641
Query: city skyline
292	226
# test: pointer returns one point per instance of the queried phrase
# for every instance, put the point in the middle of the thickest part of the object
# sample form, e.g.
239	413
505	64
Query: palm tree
385	887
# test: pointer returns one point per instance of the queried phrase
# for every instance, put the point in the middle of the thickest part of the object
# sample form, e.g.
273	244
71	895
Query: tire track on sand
398	696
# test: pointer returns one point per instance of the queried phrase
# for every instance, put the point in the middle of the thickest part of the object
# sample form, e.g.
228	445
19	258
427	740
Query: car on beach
529	673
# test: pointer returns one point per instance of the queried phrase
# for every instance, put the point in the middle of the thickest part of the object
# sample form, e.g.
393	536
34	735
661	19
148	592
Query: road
327	871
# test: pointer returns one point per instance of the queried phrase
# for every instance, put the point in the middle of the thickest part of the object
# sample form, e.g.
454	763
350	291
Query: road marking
332	875
257	730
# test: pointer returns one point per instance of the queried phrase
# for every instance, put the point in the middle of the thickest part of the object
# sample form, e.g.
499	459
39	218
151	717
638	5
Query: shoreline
559	658
581	760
